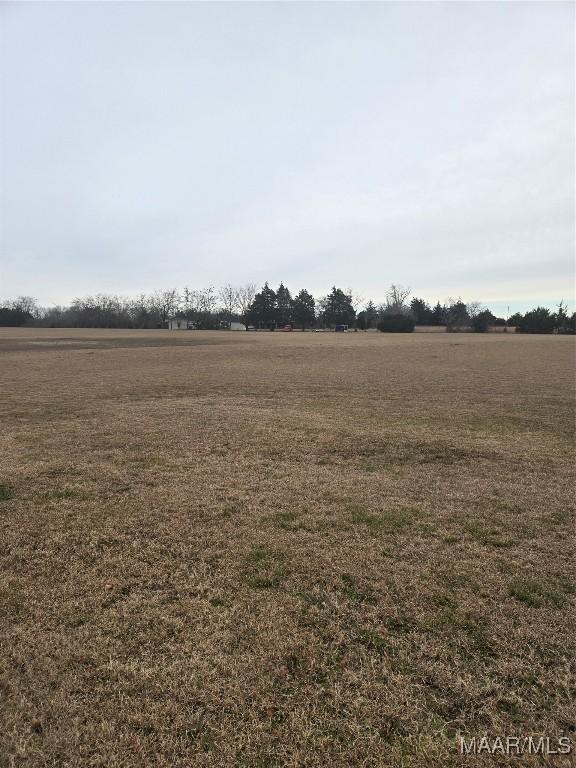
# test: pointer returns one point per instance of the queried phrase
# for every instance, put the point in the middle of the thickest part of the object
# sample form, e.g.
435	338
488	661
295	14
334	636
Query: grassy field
265	550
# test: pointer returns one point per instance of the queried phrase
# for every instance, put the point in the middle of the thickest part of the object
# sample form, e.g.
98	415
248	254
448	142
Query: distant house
181	324
234	326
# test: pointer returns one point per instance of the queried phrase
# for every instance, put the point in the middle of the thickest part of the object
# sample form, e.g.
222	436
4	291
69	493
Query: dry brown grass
288	550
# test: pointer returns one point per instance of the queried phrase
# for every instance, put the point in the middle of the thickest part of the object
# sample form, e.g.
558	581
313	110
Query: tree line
211	309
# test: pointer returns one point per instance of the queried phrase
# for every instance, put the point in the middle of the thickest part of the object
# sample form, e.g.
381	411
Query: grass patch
229	510
480	642
560	517
264	569
388	521
361	516
312	599
401	623
13	602
393	451
444	600
357	594
535	593
469	635
488	535
65	493
287	521
6	492
369	466
374	641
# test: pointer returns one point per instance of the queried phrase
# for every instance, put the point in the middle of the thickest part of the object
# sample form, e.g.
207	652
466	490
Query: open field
266	550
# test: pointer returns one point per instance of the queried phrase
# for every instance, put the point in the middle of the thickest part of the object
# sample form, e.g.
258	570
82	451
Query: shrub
482	321
457	318
515	320
13	317
539	320
396	323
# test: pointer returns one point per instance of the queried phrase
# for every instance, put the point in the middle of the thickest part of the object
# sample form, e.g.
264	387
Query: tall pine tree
438	316
337	308
283	305
263	311
303	309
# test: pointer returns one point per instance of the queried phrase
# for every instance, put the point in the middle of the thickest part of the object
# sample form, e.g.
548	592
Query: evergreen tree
539	320
303	309
371	315
421	311
482	321
337	308
438	315
263	310
396	322
283	305
515	320
562	319
458	316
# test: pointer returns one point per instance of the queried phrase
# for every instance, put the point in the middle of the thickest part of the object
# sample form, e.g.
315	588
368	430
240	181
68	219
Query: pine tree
539	320
371	314
438	316
303	309
263	310
458	316
337	308
421	311
283	305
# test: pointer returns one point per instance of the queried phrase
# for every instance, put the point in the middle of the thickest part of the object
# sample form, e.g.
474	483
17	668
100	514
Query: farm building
181	324
234	326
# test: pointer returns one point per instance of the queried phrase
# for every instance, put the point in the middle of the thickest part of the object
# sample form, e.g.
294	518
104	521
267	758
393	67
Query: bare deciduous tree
165	303
474	308
228	296
25	304
356	299
188	300
200	301
246	294
206	299
397	298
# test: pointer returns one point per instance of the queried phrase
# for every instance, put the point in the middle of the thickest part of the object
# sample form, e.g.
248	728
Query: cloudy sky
154	145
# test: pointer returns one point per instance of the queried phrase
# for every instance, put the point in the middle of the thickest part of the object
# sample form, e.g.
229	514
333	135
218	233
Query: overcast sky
154	145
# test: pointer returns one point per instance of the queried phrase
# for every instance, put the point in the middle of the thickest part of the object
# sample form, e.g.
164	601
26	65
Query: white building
181	324
234	326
